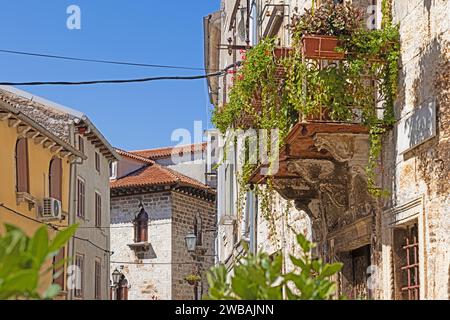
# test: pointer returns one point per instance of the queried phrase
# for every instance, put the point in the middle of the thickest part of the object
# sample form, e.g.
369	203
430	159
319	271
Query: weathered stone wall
278	232
421	176
151	277
185	209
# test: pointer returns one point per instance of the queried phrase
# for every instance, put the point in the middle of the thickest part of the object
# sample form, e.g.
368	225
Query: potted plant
320	30
193	279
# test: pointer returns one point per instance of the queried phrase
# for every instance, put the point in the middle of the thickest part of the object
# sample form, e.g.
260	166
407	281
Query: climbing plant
362	88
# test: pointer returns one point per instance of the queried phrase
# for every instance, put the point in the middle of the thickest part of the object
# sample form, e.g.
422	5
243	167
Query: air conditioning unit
52	209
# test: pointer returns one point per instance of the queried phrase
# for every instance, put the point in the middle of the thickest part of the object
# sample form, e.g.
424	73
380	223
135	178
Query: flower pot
282	52
324	114
191	282
321	47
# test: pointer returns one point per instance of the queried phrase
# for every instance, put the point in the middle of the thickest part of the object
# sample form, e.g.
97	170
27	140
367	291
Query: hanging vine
352	90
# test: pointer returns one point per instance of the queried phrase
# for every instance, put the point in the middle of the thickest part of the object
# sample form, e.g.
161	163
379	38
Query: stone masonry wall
278	233
424	172
149	278
185	208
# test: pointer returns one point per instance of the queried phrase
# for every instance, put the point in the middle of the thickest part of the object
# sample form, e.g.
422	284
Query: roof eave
61	146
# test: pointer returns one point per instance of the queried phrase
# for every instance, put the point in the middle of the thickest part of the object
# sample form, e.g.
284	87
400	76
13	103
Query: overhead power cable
124	63
119	81
115	81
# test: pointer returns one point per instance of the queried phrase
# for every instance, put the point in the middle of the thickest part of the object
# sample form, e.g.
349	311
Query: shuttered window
22	176
58	268
81	144
79	263
97	162
55	179
98	210
98	279
81	196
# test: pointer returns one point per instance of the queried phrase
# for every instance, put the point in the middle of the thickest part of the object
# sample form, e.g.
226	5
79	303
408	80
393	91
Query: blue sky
131	116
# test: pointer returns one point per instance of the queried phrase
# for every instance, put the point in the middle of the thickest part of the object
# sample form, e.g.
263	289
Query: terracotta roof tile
134	156
161	153
157	175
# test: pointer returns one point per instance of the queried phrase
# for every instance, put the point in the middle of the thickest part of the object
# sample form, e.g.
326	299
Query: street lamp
191	242
116	277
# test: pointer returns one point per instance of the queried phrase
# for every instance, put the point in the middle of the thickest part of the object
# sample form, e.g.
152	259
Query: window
79	277
97	162
141	227
81	144
113	170
22	175
98	210
198	229
55	179
58	268
406	262
81	189
98	279
229	191
250	205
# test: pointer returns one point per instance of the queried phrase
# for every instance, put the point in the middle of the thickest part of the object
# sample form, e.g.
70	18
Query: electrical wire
125	63
29	218
120	81
91	243
116	81
50	225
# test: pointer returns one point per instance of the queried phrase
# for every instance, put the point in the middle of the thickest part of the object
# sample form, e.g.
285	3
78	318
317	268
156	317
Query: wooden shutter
22	166
122	292
81	144
58	267
98	281
79	262
144	231
55	179
81	199
97	162
98	210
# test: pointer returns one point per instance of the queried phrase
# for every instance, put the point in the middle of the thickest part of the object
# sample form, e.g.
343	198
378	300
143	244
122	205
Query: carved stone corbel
311	171
343	147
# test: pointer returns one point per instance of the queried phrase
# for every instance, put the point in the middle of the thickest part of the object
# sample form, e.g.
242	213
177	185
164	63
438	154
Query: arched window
141	227
55	179
22	176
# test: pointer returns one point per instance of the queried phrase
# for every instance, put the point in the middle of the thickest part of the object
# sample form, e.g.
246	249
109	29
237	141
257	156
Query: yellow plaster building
35	170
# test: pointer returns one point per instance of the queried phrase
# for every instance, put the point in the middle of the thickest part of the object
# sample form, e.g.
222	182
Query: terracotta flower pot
321	47
323	115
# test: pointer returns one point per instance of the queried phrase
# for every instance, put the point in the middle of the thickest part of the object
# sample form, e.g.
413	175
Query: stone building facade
176	205
416	154
324	195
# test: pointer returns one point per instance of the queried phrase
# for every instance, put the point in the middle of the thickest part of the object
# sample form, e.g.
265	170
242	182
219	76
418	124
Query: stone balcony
322	168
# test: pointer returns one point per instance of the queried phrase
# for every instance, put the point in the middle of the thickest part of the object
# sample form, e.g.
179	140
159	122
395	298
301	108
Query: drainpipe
72	203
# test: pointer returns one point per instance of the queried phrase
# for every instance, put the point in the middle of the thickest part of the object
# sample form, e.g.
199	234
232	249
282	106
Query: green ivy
346	89
256	80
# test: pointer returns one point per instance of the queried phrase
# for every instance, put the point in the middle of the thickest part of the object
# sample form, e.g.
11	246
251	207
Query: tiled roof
161	153
134	156
157	175
56	122
56	118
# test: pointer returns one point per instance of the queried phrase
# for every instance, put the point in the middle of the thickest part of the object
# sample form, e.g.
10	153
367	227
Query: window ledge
26	197
140	246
